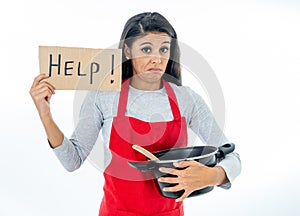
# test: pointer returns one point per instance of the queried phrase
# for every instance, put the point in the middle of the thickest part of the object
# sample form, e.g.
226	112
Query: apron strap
171	96
123	98
172	100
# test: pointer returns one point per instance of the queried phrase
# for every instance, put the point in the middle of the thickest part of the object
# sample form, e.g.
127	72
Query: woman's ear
127	52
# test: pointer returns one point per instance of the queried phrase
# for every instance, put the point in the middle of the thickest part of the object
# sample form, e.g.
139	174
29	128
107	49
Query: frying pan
207	155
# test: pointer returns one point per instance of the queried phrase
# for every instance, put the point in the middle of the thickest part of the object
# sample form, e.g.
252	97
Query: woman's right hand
41	93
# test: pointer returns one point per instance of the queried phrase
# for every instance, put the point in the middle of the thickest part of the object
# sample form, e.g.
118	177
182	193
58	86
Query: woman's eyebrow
168	42
149	43
146	43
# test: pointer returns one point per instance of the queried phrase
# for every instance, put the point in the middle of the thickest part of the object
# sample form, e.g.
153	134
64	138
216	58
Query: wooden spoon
144	152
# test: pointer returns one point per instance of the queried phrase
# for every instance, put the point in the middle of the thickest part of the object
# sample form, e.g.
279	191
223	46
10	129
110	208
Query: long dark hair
141	24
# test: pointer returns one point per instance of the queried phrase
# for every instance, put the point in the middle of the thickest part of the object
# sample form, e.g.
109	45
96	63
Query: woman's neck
140	84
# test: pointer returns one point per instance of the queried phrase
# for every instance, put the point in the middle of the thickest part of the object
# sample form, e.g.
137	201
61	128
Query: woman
152	110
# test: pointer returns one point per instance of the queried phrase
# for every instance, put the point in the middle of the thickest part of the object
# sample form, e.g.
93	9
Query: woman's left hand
193	177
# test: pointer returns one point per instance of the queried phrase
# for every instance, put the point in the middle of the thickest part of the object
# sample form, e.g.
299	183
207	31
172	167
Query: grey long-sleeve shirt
99	108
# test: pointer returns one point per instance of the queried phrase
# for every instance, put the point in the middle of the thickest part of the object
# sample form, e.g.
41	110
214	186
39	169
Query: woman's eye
146	50
164	49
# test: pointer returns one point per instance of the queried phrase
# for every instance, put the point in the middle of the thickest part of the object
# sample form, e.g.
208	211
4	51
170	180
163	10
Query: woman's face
149	56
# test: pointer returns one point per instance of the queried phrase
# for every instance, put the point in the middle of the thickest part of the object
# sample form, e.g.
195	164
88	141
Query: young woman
153	110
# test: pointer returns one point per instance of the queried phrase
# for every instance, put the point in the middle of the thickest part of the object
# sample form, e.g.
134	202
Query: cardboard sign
82	68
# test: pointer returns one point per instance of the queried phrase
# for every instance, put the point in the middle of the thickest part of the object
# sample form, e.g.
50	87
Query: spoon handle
145	152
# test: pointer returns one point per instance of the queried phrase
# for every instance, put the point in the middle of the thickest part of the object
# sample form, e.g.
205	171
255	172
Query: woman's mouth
155	70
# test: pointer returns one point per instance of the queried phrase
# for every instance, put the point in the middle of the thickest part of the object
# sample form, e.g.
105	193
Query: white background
253	48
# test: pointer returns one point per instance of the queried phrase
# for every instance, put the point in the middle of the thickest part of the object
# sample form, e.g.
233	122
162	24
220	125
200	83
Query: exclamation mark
112	67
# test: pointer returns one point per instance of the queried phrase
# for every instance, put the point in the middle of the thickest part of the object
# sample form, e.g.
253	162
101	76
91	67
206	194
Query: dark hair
141	24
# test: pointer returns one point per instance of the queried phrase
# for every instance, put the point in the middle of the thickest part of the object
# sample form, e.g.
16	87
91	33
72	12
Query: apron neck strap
172	100
124	96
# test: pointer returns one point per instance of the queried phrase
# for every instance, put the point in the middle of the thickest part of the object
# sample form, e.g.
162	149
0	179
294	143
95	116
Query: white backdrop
252	46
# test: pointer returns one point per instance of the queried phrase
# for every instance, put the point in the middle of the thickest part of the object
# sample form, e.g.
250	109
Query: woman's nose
156	58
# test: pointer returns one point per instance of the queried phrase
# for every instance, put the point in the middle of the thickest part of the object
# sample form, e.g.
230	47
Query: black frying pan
207	155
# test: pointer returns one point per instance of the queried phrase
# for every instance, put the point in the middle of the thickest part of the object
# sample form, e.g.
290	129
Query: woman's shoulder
183	90
186	94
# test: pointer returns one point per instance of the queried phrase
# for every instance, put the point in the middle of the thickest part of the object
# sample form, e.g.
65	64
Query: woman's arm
195	175
41	93
73	151
70	152
203	123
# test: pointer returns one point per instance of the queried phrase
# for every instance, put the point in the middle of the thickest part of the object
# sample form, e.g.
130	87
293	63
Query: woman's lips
155	70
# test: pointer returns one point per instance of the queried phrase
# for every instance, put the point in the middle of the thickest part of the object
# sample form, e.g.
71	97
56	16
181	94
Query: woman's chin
151	76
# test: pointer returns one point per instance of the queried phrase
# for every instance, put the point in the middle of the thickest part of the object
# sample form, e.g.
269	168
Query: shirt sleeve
73	152
203	123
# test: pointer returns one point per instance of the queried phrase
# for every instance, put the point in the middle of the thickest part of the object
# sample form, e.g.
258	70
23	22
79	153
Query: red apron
127	191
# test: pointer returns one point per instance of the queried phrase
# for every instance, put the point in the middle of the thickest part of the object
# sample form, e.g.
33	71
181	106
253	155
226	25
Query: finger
173	189
38	79
187	163
41	93
169	170
172	180
184	195
41	87
46	96
43	84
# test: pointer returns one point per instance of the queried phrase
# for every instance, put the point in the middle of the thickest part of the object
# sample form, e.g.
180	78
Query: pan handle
225	149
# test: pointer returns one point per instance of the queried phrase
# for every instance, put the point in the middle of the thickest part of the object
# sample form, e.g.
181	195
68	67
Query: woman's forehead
154	38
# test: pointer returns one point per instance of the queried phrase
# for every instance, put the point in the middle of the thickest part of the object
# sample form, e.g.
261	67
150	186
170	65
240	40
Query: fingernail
176	164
